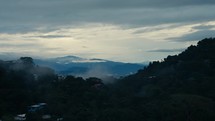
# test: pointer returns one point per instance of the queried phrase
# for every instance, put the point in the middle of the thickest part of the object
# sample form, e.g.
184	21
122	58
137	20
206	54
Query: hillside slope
180	88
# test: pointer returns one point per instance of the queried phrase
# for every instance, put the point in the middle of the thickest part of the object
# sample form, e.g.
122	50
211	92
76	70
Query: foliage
180	88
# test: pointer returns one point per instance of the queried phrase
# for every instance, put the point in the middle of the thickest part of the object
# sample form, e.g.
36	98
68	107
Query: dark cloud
16	28
195	36
149	29
167	50
90	4
23	46
24	15
15	45
204	27
50	36
153	3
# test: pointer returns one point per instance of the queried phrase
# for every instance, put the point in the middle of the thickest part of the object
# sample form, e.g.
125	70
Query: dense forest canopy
179	88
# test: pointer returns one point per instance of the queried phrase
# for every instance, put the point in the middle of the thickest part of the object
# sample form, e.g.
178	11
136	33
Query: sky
118	30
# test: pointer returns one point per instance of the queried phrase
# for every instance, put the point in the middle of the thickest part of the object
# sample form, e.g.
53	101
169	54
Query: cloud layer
122	30
25	15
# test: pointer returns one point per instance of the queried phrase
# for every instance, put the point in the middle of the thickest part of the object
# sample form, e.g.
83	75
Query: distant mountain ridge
89	67
83	67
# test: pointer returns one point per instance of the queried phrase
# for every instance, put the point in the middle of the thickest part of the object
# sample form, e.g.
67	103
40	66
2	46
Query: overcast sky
119	30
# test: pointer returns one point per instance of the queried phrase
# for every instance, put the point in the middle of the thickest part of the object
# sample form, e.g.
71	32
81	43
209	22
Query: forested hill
193	67
179	88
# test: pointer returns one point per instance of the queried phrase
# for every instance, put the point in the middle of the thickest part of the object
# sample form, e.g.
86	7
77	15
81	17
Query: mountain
89	67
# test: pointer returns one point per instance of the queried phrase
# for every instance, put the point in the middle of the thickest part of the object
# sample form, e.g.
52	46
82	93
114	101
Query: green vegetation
180	88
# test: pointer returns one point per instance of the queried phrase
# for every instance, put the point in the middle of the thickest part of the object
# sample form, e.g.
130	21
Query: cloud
167	50
8	45
204	27
24	15
109	29
109	42
50	36
195	36
152	3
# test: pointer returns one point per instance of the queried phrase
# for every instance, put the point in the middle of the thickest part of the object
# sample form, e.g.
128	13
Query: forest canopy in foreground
180	88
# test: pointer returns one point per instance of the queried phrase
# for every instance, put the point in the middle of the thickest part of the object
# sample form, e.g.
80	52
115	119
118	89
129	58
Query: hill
179	88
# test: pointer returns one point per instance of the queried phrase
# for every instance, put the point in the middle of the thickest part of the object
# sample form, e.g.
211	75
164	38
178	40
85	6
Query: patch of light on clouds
163	32
102	41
